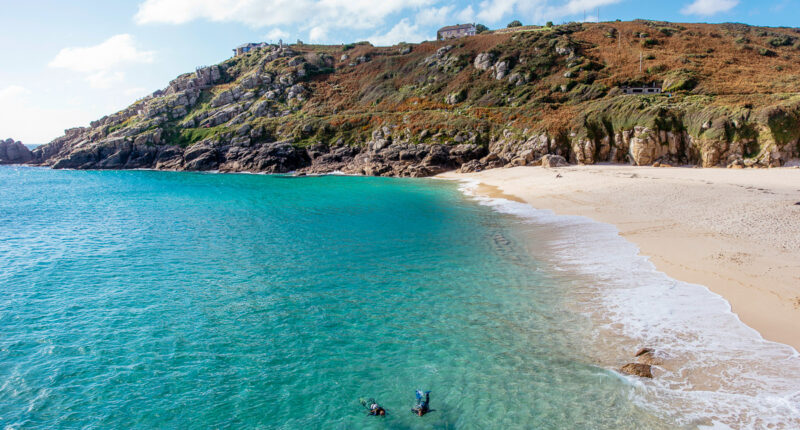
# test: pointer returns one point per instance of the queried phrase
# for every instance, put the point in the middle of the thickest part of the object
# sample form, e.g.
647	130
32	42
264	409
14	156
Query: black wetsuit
422	407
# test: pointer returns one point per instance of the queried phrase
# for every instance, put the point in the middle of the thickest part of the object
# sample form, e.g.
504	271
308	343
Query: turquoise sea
140	299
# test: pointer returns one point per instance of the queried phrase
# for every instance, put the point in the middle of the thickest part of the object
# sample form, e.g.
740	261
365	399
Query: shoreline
760	279
734	232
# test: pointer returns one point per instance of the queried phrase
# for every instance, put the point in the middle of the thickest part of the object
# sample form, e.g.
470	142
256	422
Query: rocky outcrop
552	161
646	358
404	159
637	369
12	152
649	356
382	156
488	101
484	61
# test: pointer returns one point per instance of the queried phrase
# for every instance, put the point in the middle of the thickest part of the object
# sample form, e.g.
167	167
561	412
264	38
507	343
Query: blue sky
65	63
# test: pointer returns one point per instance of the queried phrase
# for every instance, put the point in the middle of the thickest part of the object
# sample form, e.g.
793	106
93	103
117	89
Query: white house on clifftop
456	31
247	47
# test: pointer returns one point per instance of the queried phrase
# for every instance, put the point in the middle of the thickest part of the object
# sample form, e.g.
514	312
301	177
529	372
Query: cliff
12	152
496	99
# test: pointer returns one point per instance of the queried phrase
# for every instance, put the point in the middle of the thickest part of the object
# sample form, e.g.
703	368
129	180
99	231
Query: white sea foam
718	372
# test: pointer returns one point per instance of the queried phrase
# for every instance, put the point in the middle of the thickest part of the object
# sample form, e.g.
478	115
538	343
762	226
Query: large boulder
637	369
484	61
644	147
500	70
583	151
465	152
222	99
552	161
472	166
12	152
201	156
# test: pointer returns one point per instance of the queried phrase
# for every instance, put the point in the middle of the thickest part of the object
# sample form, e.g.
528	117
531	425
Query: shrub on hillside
766	52
782	40
514	23
649	43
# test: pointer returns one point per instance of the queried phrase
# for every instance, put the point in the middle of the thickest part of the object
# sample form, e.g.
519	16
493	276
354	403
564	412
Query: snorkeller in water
373	407
423	403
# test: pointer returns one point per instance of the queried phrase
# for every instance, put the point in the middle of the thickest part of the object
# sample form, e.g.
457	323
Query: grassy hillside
733	95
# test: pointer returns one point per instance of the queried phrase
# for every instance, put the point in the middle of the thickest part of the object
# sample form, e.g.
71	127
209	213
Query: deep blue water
185	300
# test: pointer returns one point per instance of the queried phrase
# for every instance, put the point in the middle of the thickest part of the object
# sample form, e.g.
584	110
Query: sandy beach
736	232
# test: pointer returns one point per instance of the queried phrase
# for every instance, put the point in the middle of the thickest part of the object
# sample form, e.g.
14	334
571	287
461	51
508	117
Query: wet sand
736	232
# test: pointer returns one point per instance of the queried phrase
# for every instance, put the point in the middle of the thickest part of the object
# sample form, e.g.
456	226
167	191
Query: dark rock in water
648	356
12	152
637	369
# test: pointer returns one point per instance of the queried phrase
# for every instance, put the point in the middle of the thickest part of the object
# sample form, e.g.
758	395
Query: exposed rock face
553	161
489	101
380	157
12	152
637	369
484	61
403	159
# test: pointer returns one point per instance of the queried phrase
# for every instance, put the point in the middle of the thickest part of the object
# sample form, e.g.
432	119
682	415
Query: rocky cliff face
12	152
481	102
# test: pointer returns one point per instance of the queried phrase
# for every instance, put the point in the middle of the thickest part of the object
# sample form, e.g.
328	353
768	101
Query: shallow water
158	299
716	372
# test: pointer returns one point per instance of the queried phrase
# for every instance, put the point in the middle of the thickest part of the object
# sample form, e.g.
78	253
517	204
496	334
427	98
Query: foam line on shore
718	372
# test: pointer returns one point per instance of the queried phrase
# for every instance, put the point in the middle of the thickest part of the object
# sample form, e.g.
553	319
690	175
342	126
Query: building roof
251	44
457	27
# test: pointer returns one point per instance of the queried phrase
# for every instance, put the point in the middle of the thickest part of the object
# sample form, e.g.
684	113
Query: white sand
736	232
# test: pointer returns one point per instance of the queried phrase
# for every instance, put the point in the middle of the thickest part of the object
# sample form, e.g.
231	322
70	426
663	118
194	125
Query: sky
66	63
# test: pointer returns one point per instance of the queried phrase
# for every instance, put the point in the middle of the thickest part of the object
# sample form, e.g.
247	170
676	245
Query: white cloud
574	7
466	15
495	10
31	123
12	93
262	13
117	50
102	63
318	33
136	92
319	17
403	31
105	79
709	7
276	34
536	11
434	16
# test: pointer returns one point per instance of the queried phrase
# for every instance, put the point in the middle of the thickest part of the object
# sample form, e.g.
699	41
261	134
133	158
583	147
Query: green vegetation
783	123
514	23
782	40
680	80
649	43
560	80
767	52
189	136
